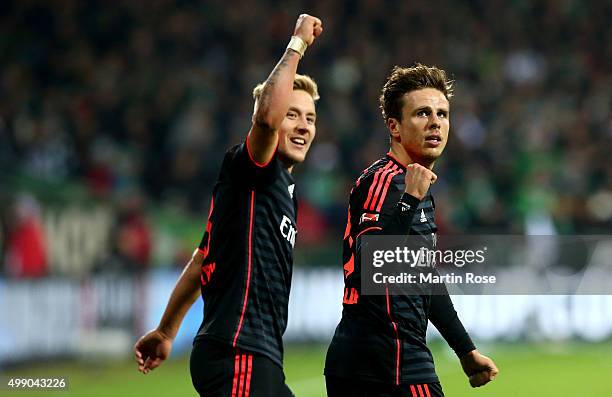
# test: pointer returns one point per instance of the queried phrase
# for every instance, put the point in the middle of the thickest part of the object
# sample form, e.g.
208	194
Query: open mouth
433	141
298	141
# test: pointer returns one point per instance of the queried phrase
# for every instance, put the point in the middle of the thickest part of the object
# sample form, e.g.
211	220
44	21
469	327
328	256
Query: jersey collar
395	160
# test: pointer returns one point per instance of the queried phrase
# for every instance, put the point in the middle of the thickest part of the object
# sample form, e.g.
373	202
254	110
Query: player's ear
393	126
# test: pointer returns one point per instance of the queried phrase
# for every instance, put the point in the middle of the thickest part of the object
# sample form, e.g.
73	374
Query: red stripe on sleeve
426	386
384	193
347	230
420	391
375	182
204	250
413	391
377	195
372	187
380	185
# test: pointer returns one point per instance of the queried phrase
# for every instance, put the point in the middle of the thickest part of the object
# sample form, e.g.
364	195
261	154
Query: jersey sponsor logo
423	217
288	230
367	217
290	189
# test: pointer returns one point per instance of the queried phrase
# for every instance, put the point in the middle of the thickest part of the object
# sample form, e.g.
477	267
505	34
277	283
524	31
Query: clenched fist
418	179
479	368
308	28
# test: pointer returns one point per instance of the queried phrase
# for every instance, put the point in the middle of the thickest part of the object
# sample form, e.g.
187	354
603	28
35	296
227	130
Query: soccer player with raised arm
243	265
379	347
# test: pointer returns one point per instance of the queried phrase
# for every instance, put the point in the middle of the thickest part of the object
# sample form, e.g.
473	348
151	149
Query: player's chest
276	211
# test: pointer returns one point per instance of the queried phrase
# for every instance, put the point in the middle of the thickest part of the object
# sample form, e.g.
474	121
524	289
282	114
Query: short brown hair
301	82
404	80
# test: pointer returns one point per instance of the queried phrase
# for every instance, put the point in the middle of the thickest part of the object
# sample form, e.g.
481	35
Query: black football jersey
382	338
248	248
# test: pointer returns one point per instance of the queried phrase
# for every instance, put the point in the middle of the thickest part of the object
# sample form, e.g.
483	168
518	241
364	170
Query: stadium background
114	118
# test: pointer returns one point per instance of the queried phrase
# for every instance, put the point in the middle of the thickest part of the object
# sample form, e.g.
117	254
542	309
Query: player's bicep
261	144
366	217
375	221
364	221
368	224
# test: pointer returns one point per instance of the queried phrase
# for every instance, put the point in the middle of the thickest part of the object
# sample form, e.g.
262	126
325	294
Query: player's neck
286	162
404	158
288	165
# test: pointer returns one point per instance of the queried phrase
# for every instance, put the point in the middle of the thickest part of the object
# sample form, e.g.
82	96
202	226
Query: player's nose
302	126
434	123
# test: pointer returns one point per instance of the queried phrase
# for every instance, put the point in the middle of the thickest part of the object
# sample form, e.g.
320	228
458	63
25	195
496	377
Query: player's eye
310	120
291	115
442	115
423	113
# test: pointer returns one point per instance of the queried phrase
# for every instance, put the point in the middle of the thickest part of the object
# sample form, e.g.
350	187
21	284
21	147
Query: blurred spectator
132	238
25	253
133	233
150	94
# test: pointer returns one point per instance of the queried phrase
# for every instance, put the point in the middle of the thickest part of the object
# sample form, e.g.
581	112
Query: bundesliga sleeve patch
367	217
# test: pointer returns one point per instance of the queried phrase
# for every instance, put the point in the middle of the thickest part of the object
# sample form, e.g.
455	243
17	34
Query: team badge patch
366	217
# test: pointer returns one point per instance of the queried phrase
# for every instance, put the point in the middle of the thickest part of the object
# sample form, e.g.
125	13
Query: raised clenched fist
308	28
418	179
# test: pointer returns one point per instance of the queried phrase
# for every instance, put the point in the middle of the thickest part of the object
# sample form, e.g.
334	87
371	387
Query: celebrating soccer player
379	347
244	263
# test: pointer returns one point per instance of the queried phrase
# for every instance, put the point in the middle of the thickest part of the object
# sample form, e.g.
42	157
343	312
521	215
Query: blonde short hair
301	82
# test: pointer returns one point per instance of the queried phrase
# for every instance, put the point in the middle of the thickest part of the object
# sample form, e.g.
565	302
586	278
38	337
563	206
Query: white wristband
298	45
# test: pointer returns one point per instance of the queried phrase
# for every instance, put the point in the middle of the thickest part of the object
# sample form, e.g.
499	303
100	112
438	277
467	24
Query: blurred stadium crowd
136	102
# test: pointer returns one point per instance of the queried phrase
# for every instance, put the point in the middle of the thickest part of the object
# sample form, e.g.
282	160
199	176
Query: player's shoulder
382	171
238	156
367	175
235	150
375	184
230	157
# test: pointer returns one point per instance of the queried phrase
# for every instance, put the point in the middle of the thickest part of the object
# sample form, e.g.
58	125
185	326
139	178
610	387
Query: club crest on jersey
366	217
287	230
290	189
423	217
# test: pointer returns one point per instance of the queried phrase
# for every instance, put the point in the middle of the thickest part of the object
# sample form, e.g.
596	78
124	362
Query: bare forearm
274	100
273	103
184	294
